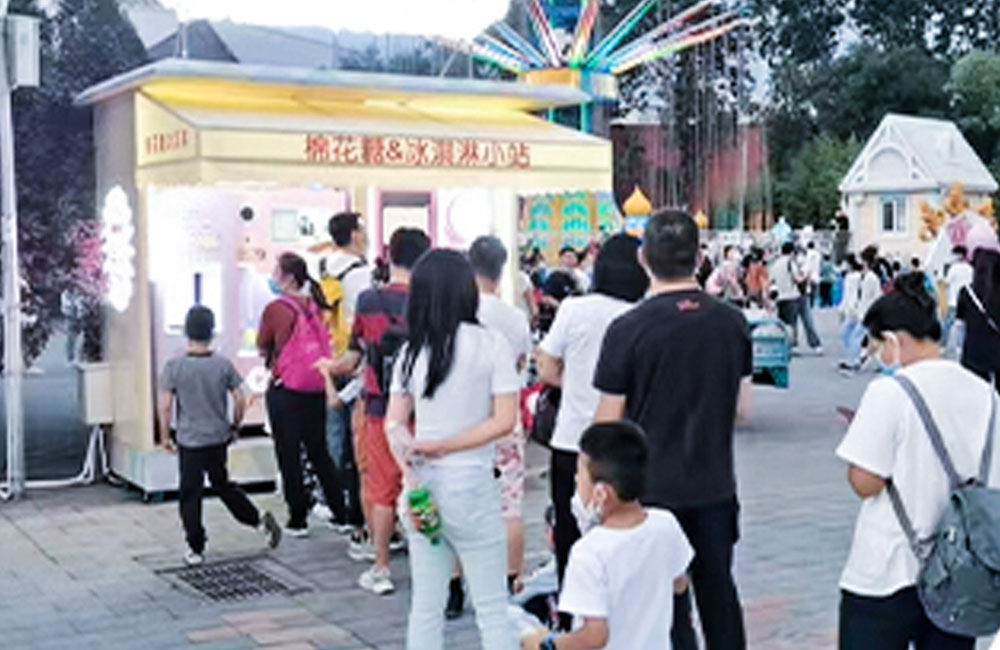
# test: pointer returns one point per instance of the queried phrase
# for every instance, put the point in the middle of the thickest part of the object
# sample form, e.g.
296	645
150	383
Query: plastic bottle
422	505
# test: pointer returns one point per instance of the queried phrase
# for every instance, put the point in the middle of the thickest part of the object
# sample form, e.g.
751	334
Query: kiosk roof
180	78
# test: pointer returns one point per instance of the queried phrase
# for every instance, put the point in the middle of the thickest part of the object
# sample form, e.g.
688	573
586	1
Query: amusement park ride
595	68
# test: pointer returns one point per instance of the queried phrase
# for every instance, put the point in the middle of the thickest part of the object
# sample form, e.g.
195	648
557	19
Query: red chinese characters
160	143
399	151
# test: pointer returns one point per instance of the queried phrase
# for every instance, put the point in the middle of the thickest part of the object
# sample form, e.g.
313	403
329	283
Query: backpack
333	291
308	344
381	358
959	579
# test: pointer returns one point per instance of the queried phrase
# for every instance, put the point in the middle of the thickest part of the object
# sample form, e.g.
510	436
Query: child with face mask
623	573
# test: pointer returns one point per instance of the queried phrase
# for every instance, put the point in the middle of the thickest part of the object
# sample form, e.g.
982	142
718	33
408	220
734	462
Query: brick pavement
77	566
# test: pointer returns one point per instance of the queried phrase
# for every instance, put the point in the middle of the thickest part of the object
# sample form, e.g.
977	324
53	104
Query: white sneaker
361	549
377	581
193	559
299	532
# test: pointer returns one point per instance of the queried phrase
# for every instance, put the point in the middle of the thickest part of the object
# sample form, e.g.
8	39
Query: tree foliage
798	31
975	96
83	42
809	193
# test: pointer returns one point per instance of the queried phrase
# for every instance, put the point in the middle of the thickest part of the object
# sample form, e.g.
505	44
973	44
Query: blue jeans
340	442
852	336
469	501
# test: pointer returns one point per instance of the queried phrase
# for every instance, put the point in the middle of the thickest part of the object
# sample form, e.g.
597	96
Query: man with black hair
347	261
378	334
200	383
790	281
344	275
488	256
624	572
570	261
678	365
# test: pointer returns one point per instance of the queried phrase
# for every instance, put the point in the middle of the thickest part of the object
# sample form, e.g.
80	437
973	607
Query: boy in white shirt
623	573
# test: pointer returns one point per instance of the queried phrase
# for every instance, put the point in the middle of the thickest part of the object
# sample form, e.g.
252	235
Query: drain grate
231	580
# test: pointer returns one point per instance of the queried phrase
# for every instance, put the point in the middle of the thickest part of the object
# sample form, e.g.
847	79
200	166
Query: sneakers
456	600
339	527
300	531
360	548
377	581
397	542
271	530
193	559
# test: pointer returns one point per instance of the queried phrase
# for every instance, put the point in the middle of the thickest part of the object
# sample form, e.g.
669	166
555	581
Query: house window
893	217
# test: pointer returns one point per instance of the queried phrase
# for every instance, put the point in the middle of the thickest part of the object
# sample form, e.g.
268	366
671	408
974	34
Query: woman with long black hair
567	358
292	338
457	379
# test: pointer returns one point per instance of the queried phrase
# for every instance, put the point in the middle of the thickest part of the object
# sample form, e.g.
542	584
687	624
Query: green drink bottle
422	505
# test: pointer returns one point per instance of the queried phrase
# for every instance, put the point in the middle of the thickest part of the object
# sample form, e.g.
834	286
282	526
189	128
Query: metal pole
13	361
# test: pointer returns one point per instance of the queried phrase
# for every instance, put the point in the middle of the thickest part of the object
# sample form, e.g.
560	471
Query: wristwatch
549	643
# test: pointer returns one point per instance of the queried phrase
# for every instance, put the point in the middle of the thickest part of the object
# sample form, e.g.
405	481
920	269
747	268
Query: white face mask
587	517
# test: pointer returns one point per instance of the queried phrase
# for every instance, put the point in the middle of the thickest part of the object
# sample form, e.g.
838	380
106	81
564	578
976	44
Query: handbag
546	410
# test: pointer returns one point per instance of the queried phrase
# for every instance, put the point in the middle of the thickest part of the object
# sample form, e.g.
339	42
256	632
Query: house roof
179	80
916	153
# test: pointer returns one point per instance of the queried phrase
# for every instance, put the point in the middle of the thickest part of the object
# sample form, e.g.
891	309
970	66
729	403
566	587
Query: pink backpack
310	342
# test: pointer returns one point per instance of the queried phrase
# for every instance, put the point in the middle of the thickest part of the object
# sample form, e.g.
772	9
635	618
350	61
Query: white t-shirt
495	314
852	295
783	272
627	577
523	287
960	275
888	439
354	282
870	292
575	337
482	368
814	260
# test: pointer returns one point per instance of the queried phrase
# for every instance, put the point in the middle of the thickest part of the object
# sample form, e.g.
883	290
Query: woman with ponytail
292	338
888	439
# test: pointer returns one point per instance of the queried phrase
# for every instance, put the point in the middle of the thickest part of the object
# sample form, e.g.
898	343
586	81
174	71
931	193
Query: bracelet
549	643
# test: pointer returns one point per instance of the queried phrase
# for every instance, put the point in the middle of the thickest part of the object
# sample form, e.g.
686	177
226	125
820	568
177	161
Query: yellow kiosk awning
210	123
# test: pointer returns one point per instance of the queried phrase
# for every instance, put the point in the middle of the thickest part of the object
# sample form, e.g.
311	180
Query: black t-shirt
678	359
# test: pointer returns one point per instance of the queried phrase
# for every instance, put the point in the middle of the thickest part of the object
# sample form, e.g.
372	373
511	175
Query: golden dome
637	205
701	219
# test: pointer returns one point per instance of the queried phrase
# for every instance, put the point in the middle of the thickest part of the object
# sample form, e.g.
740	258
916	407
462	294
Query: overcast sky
450	18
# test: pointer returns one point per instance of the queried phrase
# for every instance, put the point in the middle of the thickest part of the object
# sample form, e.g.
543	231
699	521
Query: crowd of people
414	379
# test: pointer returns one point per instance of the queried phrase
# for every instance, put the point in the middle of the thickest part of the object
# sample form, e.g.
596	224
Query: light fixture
117	248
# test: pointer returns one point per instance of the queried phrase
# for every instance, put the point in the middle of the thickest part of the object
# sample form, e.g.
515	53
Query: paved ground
77	567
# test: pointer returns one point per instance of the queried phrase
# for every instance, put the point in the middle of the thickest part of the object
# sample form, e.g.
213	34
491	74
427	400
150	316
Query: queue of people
410	421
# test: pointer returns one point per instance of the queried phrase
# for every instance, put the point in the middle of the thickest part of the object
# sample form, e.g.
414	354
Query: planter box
94	393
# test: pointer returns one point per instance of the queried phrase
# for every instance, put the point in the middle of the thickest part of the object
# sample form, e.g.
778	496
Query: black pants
195	462
562	482
892	623
790	311
299	420
826	294
347	468
713	532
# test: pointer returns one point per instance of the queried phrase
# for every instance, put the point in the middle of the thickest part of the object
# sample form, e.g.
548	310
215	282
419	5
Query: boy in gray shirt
199	384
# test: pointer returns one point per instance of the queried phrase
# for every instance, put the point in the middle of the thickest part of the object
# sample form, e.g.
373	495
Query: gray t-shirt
201	386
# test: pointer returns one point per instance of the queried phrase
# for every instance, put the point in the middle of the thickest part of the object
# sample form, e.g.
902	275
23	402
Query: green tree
851	94
798	31
84	42
808	193
975	97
